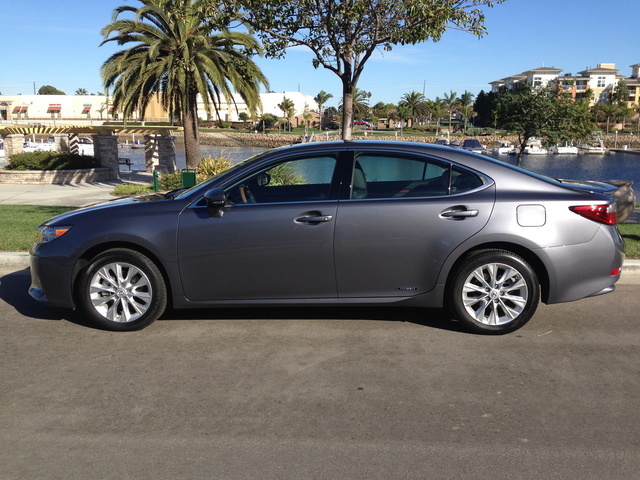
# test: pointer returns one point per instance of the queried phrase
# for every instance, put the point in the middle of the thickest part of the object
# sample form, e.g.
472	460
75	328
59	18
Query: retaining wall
58	177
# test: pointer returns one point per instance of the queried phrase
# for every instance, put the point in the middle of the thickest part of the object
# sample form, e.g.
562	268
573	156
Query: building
600	80
48	109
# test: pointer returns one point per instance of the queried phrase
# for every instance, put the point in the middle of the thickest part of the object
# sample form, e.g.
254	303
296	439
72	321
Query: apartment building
600	80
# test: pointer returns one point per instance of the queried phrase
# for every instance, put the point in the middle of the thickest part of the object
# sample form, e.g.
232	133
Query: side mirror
215	201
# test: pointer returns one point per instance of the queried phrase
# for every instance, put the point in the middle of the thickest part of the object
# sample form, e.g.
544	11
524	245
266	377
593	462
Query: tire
122	290
494	292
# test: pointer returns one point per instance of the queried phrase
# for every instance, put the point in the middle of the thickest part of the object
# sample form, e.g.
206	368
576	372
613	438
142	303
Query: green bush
209	167
50	161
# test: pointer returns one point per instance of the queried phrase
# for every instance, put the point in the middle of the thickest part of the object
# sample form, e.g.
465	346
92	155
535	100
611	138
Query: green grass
631	234
19	224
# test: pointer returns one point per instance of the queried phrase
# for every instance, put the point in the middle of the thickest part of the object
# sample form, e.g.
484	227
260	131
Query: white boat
564	149
31	146
534	147
594	145
85	146
503	148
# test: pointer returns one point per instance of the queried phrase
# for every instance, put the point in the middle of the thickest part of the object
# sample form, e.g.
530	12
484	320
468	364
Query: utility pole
34	88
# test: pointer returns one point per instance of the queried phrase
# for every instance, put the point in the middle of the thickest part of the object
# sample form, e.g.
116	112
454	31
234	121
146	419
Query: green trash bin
188	177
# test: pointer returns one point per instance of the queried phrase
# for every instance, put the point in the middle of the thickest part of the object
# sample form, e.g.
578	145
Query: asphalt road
357	393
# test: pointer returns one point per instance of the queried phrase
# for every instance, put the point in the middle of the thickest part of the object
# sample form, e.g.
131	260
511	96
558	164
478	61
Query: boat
503	148
32	146
534	147
594	145
473	145
85	146
564	149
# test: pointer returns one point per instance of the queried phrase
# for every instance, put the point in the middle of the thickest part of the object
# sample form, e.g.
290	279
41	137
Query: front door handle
313	219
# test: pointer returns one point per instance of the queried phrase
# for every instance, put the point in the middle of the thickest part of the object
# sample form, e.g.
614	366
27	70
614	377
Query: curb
21	259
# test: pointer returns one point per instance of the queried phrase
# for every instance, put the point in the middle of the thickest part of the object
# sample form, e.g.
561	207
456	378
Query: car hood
118	202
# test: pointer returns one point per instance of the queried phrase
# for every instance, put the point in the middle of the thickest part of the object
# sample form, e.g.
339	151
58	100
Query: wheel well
528	255
86	257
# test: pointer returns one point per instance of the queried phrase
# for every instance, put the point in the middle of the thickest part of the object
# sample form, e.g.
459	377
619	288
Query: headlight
47	233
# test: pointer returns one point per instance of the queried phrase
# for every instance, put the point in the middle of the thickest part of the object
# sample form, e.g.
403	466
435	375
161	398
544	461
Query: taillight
598	213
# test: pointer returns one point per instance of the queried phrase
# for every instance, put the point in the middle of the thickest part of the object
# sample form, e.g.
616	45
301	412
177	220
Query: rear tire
122	290
494	292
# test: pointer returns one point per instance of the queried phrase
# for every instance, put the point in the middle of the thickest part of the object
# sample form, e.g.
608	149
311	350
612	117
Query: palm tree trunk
191	138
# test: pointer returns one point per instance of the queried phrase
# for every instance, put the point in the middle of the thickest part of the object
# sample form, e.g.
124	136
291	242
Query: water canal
616	166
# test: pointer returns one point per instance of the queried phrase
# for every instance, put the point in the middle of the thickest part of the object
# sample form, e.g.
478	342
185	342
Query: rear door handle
459	213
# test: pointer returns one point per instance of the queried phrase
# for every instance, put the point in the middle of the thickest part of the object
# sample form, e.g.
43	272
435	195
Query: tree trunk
191	138
347	109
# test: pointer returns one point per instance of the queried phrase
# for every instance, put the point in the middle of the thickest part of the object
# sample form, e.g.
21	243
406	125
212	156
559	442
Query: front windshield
230	170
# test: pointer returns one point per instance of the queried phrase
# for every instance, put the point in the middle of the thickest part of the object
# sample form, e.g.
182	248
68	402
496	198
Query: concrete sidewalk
68	195
84	194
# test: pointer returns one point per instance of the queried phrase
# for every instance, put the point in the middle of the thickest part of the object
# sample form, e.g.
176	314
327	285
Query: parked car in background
339	223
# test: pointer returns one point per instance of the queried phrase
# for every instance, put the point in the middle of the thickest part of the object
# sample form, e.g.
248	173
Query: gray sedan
339	223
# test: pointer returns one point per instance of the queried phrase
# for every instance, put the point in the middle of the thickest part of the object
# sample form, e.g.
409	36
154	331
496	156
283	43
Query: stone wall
58	177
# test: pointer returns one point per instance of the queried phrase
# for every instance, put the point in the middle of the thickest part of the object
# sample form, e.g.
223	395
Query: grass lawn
19	224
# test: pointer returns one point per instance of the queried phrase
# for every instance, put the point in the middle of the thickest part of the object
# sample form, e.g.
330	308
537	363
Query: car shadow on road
14	290
15	285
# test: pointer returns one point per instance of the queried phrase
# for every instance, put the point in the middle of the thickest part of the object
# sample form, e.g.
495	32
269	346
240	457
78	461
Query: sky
57	43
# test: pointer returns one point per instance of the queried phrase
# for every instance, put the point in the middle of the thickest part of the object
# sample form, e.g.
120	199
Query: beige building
49	109
600	80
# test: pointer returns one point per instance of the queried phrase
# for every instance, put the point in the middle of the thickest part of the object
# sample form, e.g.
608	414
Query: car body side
524	214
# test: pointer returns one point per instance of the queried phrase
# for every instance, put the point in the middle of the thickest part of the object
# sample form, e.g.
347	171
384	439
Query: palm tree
321	98
450	102
180	51
415	102
288	109
361	103
82	91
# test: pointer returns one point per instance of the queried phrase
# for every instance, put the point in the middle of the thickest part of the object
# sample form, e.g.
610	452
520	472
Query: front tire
122	290
494	292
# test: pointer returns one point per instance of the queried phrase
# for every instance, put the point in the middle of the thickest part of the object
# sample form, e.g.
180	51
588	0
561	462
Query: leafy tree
321	99
542	113
267	120
179	50
49	90
82	91
415	103
484	107
344	35
619	95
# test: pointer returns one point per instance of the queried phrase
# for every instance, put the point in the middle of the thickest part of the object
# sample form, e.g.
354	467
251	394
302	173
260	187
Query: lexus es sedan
339	223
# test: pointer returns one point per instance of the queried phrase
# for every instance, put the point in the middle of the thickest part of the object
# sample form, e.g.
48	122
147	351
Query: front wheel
122	290
494	292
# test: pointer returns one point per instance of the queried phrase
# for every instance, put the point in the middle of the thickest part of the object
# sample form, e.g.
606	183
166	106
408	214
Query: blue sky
56	42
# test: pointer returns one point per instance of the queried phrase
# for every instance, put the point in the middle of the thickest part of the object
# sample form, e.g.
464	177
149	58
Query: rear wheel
122	290
494	292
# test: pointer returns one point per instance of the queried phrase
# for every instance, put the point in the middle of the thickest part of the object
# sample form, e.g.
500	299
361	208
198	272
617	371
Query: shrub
50	161
209	167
